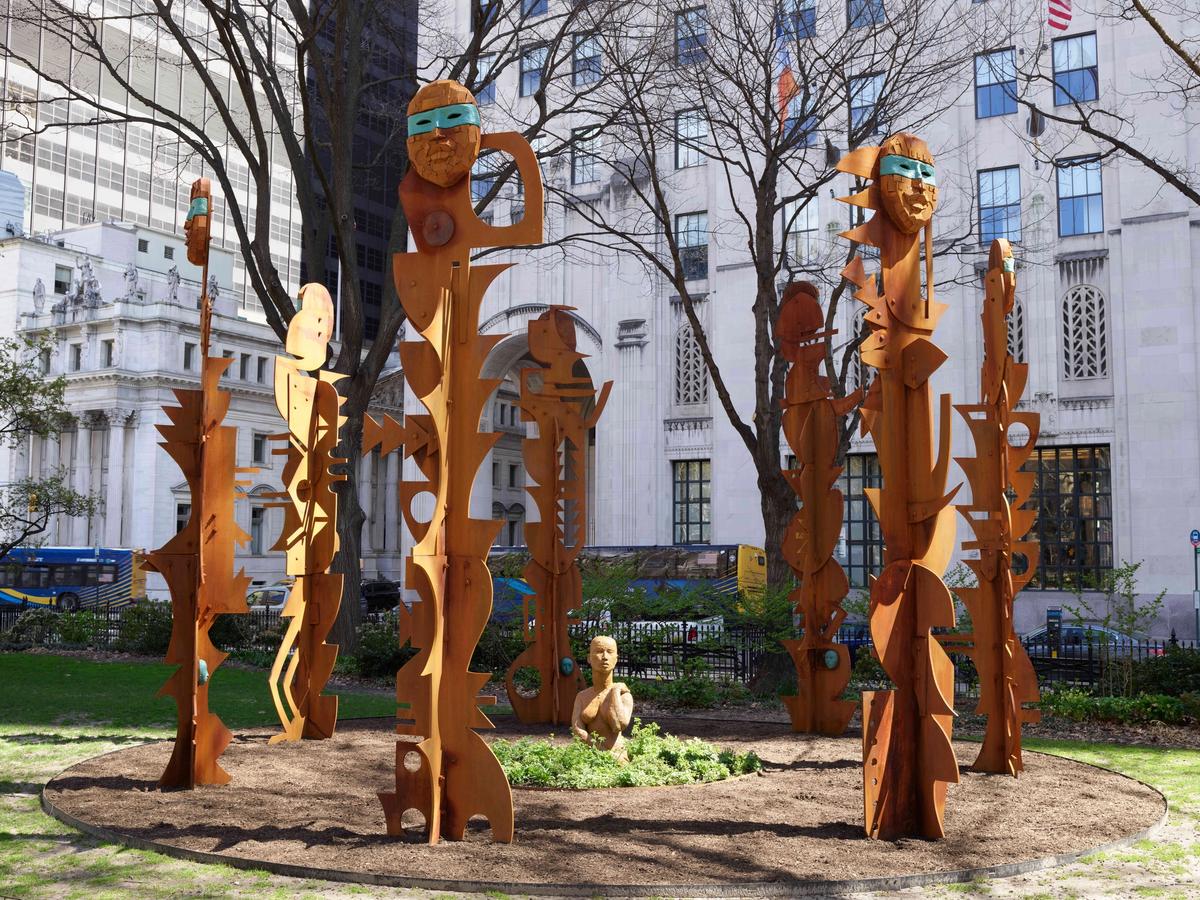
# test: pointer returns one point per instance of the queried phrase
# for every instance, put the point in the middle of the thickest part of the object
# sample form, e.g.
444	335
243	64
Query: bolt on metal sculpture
197	563
309	537
908	760
455	775
811	424
564	407
1006	677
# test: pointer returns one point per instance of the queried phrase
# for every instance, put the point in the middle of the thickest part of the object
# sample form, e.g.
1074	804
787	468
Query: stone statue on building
214	290
87	292
39	296
131	281
605	709
173	284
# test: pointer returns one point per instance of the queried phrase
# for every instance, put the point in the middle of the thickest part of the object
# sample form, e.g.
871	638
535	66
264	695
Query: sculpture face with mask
443	132
906	182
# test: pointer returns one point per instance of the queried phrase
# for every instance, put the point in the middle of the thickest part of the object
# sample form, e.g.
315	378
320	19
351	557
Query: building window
483	176
692	481
691	376
485	90
485	14
244	367
1085	334
861	13
691	234
1072	493
534	7
143	245
1000	204
1016	332
864	102
585	60
798	19
860	549
691	130
585	149
496	480
995	84
189	357
514	475
183	512
515	526
258	515
106	353
168	252
1080	196
62	279
1075	76
258	449
533	61
76	357
801	231
262	370
860	374
691	36
800	125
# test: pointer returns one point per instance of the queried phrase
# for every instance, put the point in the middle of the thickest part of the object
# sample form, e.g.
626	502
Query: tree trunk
348	561
778	504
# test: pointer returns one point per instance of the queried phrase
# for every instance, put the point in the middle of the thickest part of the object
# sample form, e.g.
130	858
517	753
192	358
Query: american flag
1059	14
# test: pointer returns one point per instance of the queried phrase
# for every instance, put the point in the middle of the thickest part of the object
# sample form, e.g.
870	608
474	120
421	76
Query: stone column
114	501
83	472
391	504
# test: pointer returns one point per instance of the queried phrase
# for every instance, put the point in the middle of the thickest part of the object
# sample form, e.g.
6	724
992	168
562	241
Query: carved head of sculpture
443	132
311	328
602	656
1001	258
906	182
799	327
196	226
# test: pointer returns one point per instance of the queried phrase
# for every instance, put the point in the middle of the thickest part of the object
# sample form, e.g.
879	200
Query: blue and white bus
71	578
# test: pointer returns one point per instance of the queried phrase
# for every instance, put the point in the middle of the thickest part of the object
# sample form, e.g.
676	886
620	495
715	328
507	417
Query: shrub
500	643
868	673
1175	673
654	759
82	629
379	654
1081	706
36	627
145	628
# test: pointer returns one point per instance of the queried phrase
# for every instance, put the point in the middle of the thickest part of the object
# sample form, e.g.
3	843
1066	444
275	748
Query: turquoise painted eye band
909	168
199	207
443	117
1010	265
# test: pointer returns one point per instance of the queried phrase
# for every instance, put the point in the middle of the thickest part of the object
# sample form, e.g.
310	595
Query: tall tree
767	96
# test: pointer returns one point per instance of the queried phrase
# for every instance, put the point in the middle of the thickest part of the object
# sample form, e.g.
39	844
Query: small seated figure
606	708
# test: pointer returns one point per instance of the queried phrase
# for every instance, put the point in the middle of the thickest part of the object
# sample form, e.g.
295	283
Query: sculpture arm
601	399
577	728
530	229
620	707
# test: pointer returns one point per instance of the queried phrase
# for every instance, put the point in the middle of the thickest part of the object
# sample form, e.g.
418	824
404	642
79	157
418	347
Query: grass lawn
55	711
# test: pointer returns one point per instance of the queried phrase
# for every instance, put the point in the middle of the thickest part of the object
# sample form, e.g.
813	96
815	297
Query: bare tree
767	95
316	88
1117	116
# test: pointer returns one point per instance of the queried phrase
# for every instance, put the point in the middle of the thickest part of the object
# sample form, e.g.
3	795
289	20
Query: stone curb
806	888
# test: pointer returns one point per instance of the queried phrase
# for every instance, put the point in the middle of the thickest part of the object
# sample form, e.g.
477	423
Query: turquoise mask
908	168
1010	265
199	207
443	117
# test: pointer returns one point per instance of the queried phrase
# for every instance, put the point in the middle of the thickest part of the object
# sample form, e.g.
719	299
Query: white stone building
124	324
1107	263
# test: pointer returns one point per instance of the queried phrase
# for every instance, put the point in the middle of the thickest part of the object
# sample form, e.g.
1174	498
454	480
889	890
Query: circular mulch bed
311	808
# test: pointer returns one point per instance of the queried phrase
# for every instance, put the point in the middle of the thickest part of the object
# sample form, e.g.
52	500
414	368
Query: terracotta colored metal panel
565	408
907	756
197	563
811	419
1006	677
310	405
454	774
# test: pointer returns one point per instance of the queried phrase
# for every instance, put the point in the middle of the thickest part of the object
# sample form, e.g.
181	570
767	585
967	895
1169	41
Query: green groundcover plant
654	759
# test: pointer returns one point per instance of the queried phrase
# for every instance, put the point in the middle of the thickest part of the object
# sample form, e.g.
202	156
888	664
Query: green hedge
1081	706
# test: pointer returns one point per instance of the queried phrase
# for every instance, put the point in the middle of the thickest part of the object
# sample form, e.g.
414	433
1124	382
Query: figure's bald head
443	132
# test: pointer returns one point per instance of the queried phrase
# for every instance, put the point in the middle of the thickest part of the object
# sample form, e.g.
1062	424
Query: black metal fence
670	650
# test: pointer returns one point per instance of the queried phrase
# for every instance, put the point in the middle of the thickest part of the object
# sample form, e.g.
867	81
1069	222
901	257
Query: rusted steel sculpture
309	537
907	757
564	407
197	563
811	422
455	775
1006	677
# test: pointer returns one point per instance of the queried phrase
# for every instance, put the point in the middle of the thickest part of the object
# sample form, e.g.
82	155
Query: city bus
71	578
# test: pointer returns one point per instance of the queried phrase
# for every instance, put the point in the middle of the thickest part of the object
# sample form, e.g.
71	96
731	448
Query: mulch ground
314	804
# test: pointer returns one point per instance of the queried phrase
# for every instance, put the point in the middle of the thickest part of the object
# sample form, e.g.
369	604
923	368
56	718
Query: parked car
379	595
269	597
1087	640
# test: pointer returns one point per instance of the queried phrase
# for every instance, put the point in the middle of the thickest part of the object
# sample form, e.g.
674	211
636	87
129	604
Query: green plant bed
1081	706
654	759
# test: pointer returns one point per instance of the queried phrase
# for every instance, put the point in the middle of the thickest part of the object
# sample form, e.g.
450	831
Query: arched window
691	378
1085	333
859	374
1016	332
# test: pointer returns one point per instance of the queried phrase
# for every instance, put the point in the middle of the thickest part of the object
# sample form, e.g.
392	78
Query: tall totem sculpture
309	538
557	461
811	424
197	563
908	761
455	775
1006	677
